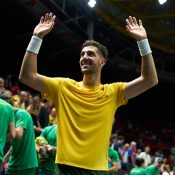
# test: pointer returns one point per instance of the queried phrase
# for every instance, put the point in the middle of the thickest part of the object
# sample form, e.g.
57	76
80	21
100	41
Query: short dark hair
102	49
139	161
6	98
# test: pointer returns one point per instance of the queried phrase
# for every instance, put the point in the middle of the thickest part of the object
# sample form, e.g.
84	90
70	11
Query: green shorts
31	171
70	170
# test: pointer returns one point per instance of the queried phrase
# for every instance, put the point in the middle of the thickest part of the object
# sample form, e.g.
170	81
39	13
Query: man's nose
85	55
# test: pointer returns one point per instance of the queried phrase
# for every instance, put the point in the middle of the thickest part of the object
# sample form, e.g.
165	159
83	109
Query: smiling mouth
85	66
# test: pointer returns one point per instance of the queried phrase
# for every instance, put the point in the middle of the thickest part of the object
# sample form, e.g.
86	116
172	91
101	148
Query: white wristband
34	44
144	47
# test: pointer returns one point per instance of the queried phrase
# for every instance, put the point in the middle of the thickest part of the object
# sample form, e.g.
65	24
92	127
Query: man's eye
90	53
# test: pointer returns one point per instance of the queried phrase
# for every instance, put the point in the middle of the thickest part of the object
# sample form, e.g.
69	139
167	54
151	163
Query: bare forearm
148	70
7	155
148	77
114	168
29	68
28	73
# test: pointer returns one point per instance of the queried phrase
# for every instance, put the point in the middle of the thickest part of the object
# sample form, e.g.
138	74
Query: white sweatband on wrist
34	44
144	47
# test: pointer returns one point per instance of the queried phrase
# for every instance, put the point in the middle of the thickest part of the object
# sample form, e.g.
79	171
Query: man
132	154
22	102
146	155
140	167
23	157
155	168
47	162
86	108
7	124
113	159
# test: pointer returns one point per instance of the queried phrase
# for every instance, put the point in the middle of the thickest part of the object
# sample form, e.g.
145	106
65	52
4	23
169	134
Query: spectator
155	168
7	124
47	163
113	159
146	156
140	167
22	157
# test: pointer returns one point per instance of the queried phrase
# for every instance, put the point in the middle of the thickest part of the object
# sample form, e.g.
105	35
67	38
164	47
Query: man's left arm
148	77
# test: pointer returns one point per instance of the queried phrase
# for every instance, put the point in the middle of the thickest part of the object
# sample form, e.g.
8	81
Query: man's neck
91	80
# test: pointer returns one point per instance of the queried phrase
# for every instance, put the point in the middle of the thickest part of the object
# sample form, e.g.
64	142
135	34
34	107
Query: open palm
45	25
136	30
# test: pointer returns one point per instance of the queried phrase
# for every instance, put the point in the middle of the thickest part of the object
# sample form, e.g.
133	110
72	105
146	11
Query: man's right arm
11	133
11	125
28	73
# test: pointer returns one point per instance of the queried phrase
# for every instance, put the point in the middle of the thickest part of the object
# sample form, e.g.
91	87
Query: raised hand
45	25
136	30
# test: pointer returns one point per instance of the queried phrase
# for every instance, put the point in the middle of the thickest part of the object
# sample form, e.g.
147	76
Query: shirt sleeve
21	122
120	88
11	113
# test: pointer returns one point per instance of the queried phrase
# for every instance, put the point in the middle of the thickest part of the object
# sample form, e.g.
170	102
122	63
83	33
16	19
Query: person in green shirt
47	152
113	159
140	167
22	153
154	169
7	125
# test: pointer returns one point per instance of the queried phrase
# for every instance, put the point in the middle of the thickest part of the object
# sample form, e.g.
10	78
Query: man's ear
103	62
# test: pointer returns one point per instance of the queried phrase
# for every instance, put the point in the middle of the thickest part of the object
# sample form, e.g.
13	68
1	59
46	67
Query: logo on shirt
21	122
102	97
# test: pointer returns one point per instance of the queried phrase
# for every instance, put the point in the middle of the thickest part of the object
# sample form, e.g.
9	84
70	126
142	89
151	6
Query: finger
46	17
42	19
49	17
128	24
135	21
53	18
140	23
52	24
131	20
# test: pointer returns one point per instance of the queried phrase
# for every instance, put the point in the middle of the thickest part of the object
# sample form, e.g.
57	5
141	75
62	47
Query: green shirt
23	154
49	133
138	171
114	156
6	116
152	170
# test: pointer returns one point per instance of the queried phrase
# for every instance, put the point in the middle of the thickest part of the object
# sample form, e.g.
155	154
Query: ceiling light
91	3
161	2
